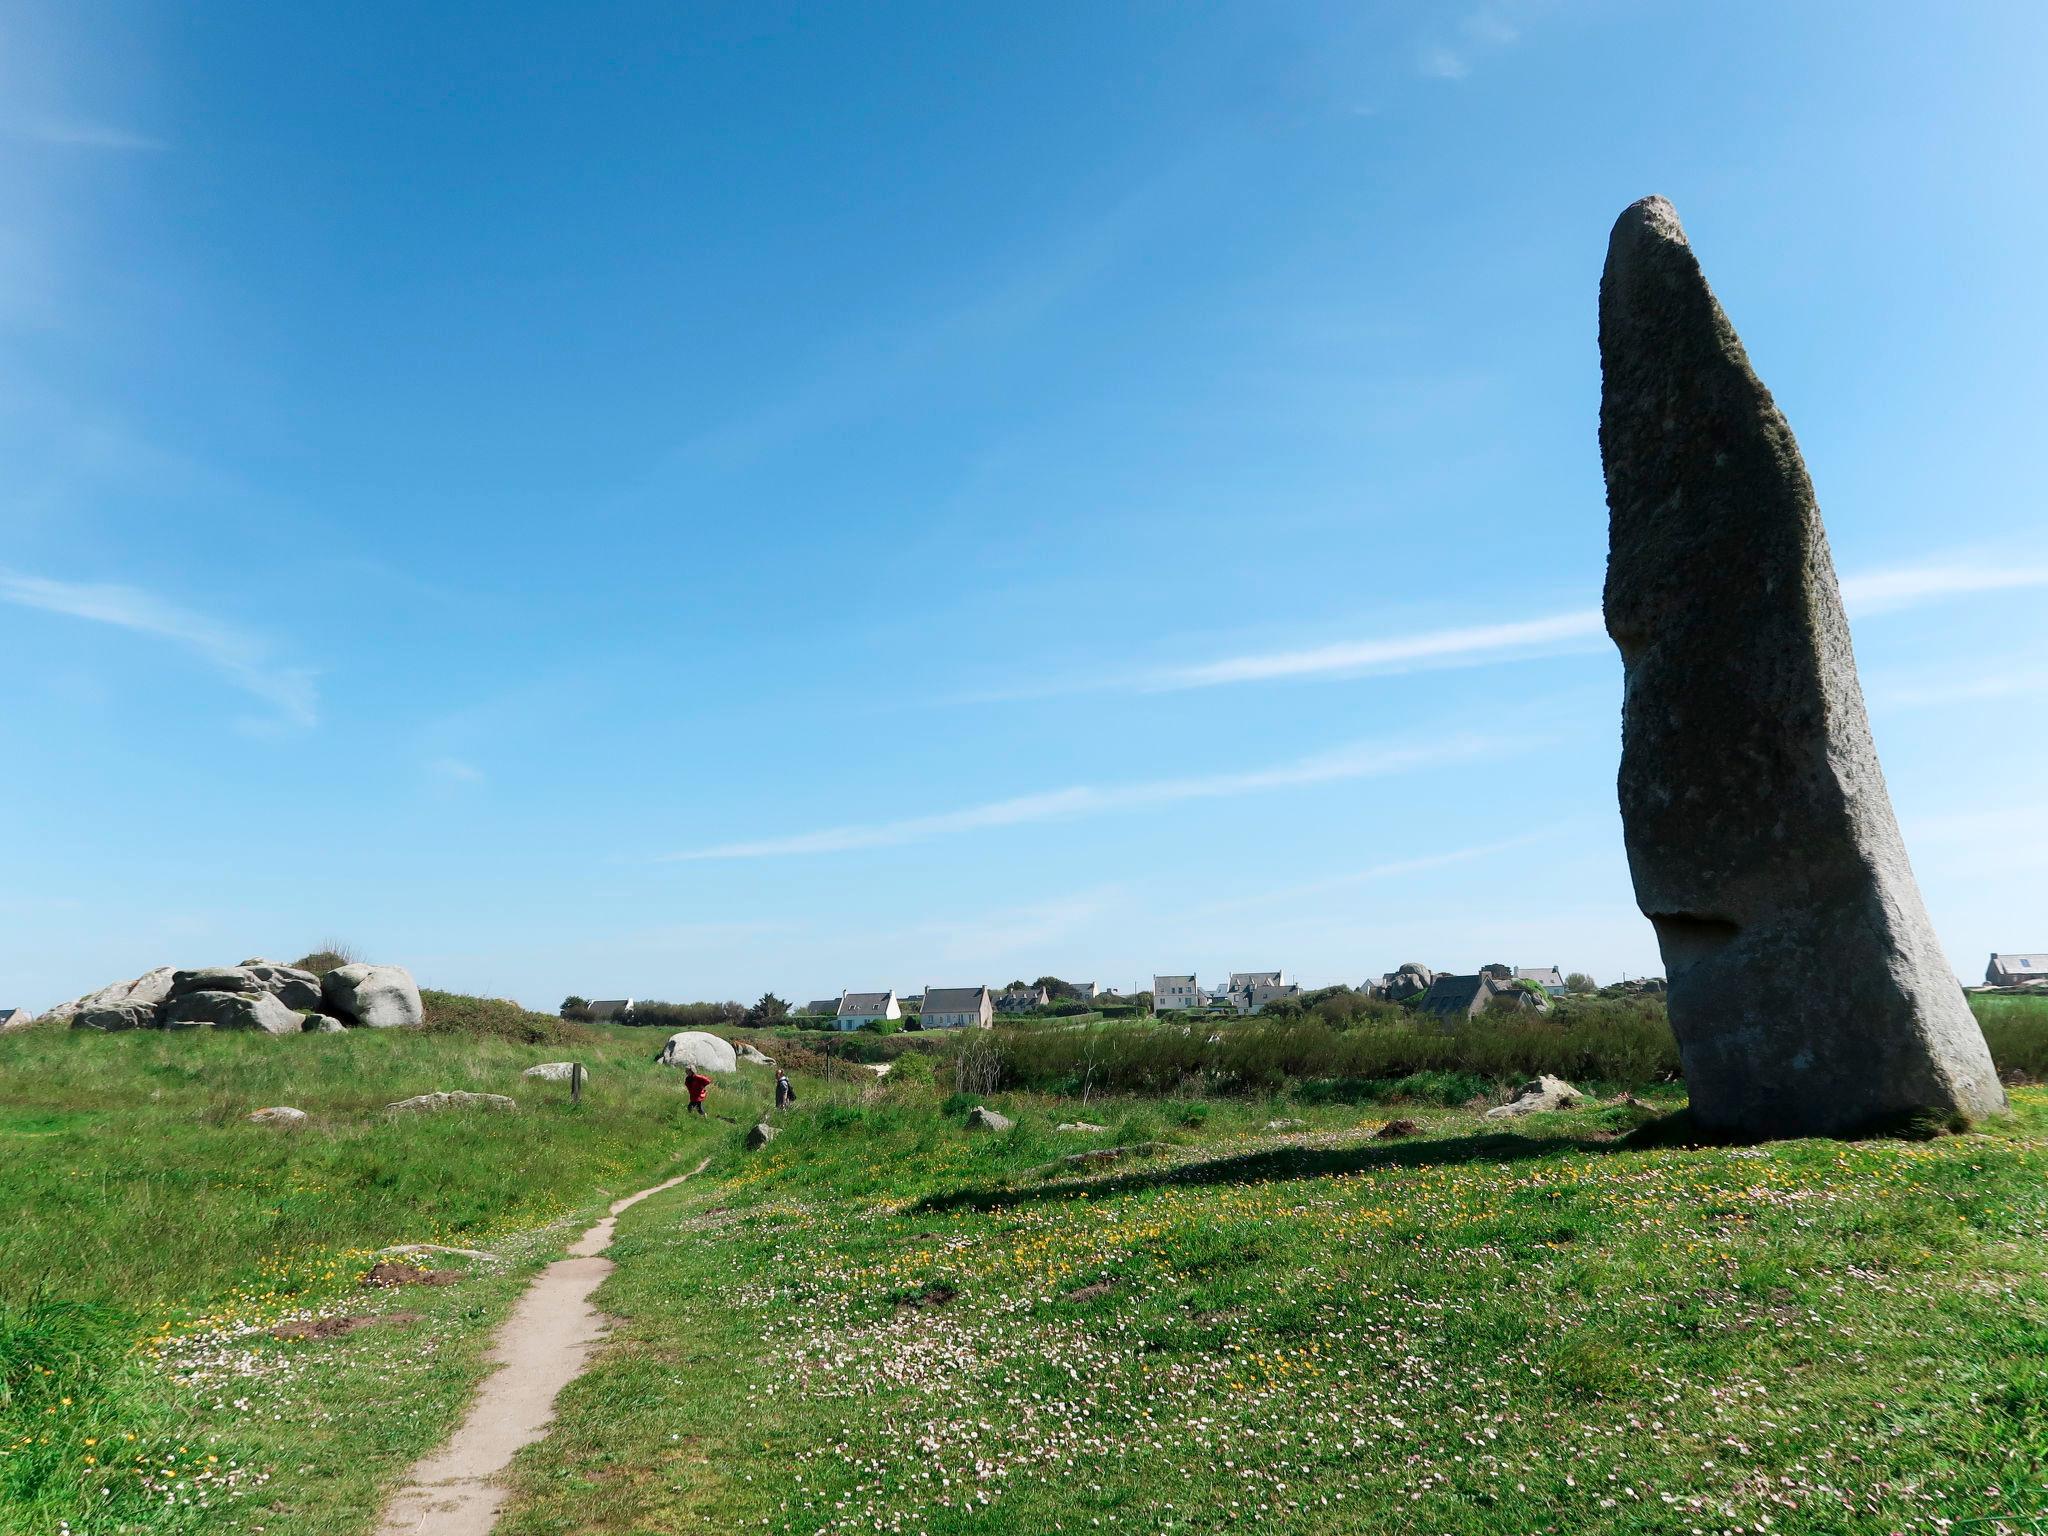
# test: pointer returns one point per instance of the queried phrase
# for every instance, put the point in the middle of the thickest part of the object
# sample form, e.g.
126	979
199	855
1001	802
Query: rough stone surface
129	1013
229	1010
373	996
693	1048
746	1052
430	1103
1534	1098
217	978
1807	990
555	1071
1079	1125
323	1024
288	984
279	1115
982	1118
150	987
761	1135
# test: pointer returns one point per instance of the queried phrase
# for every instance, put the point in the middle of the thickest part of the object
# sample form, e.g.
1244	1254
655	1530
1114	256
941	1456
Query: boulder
150	987
1285	1125
555	1071
693	1048
746	1052
217	978
280	1115
433	1103
128	1013
229	1010
1080	1125
373	996
1807	989
982	1118
761	1135
288	984
1535	1098
323	1024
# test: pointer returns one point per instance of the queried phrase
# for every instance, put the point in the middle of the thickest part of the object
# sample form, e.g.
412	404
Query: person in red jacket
699	1085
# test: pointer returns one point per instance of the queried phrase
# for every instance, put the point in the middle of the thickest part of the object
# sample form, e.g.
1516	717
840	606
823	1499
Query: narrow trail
543	1346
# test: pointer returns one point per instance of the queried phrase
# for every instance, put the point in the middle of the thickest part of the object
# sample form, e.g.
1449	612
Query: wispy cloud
74	133
1356	761
1909	586
1488	28
241	656
1577	630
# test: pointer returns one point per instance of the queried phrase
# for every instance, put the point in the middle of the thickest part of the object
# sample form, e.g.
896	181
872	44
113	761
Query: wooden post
576	1082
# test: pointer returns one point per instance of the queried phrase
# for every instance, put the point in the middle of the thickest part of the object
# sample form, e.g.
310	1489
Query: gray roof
954	999
864	1002
1239	980
2020	962
1542	975
610	1007
1453	994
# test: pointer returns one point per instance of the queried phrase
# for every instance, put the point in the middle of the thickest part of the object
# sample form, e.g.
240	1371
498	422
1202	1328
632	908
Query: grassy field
153	1239
886	1322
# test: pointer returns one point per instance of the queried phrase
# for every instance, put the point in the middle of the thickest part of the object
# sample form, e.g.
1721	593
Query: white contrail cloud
1358	760
239	655
1865	594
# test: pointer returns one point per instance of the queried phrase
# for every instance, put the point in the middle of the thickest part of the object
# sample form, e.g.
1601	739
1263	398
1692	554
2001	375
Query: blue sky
683	500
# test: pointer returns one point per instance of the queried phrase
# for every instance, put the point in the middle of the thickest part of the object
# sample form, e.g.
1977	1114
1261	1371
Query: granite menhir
1807	990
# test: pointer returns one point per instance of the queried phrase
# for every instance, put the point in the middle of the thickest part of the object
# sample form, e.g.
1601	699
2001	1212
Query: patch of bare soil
385	1274
937	1294
1395	1129
335	1327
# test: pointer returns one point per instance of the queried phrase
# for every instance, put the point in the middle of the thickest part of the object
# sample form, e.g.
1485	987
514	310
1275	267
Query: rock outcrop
1807	990
229	1010
1538	1097
433	1103
746	1052
150	987
982	1118
373	996
694	1048
128	1013
761	1135
280	1115
555	1072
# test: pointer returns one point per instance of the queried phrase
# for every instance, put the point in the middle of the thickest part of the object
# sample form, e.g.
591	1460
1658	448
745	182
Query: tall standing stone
1807	990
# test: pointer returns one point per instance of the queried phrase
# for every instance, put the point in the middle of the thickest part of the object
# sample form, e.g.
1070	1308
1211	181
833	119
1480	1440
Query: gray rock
288	984
279	1115
229	1010
1079	1125
693	1048
373	996
322	1024
982	1118
150	987
1285	1125
407	1250
1538	1097
555	1071
746	1052
434	1103
217	978
129	1013
1807	990
761	1135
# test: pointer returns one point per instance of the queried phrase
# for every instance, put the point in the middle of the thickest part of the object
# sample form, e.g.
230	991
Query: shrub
655	1014
880	1026
331	953
453	1013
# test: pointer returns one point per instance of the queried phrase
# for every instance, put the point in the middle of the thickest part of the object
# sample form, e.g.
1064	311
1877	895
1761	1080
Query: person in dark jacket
785	1095
699	1085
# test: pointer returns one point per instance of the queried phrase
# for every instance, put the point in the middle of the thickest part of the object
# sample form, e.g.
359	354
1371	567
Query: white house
1170	992
957	1008
1249	991
1086	991
1548	977
2016	970
858	1008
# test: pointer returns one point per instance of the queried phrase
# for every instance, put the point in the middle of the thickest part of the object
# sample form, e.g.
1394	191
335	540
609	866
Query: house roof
1239	980
1453	994
1189	979
865	1002
954	999
2010	963
1542	975
604	1008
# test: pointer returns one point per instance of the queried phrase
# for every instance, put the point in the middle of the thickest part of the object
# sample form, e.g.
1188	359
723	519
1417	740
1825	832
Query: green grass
153	1238
886	1323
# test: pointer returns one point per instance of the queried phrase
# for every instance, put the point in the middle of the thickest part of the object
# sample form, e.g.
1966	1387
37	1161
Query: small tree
769	1010
577	1008
1579	982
